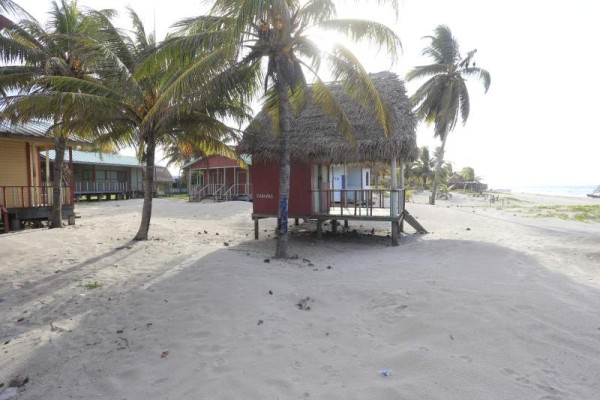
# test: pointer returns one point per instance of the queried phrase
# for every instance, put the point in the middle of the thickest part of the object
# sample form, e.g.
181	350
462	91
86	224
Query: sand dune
505	309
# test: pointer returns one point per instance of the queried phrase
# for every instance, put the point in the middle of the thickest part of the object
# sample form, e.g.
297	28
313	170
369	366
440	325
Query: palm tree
278	33
444	96
126	100
424	165
29	52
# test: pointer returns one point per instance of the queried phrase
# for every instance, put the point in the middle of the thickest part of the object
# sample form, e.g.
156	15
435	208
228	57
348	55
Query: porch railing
31	196
199	192
240	189
101	187
360	202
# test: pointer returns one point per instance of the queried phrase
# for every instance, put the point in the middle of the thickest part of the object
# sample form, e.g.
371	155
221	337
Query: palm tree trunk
438	170
142	233
285	122
60	143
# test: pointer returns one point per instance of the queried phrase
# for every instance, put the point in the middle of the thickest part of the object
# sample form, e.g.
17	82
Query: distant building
107	175
219	178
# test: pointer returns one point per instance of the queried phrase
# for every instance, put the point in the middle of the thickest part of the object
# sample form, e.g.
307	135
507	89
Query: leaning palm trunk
438	170
285	117
60	143
142	233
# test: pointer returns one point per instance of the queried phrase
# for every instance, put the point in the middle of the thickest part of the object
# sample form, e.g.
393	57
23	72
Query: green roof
88	157
35	129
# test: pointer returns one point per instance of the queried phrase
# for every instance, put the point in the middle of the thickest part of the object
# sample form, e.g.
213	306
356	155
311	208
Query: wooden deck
351	205
22	204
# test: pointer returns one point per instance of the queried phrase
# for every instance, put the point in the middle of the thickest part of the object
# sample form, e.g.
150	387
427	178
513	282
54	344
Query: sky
537	123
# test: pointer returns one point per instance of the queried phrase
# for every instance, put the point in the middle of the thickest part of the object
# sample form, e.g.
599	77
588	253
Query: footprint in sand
548	392
462	357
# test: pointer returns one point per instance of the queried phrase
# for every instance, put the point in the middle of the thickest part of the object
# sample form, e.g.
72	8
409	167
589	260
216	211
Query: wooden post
47	170
402	187
319	229
247	181
346	224
255	228
394	187
296	221
334	226
395	228
72	180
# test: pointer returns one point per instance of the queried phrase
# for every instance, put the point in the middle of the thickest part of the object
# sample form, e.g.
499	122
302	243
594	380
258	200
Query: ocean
572	191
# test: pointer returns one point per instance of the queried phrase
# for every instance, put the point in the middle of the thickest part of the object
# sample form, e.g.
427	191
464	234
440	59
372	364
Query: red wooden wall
265	188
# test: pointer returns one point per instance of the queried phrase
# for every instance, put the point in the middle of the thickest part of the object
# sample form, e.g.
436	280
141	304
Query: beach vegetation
582	213
92	285
444	98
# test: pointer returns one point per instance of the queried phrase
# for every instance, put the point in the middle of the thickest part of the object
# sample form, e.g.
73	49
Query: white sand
509	309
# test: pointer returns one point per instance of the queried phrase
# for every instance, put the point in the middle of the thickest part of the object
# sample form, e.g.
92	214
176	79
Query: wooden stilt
319	229
334	226
296	221
346	224
395	228
255	228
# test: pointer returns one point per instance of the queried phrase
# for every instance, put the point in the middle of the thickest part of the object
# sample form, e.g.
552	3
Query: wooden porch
99	189
22	204
354	205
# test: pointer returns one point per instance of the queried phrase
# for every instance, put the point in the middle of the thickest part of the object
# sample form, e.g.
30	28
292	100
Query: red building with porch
219	178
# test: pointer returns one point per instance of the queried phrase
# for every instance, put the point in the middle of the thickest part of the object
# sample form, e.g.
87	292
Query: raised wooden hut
317	145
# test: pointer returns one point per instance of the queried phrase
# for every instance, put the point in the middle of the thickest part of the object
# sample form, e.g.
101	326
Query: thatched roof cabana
314	137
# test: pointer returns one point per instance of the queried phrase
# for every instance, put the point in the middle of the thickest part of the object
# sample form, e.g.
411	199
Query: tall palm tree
30	51
444	96
126	100
280	33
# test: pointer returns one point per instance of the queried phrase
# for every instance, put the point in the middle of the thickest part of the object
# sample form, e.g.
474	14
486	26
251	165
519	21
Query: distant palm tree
424	165
281	33
31	51
444	96
126	100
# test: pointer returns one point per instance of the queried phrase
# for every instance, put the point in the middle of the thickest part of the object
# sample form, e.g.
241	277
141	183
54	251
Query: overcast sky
537	123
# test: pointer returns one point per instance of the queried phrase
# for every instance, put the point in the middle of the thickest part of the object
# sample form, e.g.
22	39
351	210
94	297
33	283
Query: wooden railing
360	202
199	192
31	196
240	189
101	187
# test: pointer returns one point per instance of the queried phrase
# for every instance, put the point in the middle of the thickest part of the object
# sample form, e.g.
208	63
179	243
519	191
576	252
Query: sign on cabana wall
265	187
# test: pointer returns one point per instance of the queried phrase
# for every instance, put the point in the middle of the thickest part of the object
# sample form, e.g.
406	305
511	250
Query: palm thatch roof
314	136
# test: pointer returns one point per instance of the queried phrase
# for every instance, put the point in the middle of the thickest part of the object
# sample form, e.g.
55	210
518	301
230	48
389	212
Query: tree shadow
228	321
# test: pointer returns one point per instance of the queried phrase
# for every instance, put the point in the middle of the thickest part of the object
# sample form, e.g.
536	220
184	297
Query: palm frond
480	74
374	33
357	84
330	107
426	71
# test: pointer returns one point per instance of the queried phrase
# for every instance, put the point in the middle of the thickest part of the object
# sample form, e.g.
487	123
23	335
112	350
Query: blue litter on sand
385	372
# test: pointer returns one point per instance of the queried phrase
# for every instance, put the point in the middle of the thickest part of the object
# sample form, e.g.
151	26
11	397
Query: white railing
360	202
100	187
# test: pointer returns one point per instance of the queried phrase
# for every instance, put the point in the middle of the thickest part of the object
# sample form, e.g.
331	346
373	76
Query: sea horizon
553	190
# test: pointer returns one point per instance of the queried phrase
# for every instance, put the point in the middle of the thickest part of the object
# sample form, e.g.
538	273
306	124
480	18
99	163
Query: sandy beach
500	301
